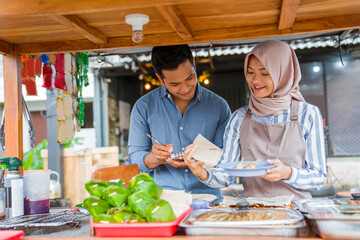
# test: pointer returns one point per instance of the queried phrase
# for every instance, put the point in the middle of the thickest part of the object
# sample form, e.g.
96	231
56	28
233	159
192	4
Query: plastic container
36	191
199	204
11	234
158	229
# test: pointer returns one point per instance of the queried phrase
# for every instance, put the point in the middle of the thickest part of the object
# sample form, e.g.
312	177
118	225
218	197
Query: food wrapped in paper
150	188
115	195
207	152
160	211
104	218
138	178
96	205
139	202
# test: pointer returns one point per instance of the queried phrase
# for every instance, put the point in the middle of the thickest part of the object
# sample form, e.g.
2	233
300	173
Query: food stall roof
31	27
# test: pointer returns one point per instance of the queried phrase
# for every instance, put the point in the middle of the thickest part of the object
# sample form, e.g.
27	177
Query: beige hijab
281	62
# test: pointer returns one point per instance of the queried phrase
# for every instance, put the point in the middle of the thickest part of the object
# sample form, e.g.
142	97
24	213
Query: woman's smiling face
259	78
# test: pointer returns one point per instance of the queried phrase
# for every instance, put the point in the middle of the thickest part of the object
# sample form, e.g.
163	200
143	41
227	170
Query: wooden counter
170	238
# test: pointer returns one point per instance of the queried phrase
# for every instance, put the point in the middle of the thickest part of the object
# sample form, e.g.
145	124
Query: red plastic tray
158	229
11	234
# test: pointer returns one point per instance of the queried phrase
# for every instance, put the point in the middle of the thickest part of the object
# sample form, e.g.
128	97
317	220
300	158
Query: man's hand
195	166
158	155
161	152
177	164
277	173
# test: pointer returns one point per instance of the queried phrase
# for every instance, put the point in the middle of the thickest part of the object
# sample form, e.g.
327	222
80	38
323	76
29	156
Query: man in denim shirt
175	114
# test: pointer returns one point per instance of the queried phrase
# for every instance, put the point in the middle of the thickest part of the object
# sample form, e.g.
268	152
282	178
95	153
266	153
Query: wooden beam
5	48
288	13
61	7
13	106
173	15
213	35
76	24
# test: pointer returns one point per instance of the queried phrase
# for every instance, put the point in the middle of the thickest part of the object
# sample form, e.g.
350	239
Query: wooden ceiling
47	26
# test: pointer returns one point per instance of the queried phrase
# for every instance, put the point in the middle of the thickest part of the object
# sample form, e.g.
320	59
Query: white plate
246	172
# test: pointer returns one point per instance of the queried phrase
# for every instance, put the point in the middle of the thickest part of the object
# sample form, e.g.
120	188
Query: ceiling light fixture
137	21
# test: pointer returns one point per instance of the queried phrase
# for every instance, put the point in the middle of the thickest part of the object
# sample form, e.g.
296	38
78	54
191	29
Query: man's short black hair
170	57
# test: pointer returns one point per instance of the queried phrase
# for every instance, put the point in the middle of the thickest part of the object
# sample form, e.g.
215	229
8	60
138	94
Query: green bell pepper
160	211
95	205
115	195
139	201
150	188
104	218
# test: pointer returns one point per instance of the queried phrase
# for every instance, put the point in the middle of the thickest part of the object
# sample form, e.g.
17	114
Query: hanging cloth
37	66
47	77
60	74
28	75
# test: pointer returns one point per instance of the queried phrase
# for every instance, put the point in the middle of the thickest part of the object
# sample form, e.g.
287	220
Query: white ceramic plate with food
259	170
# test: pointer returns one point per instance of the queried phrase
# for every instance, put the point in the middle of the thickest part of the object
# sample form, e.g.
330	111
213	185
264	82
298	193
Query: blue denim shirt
156	114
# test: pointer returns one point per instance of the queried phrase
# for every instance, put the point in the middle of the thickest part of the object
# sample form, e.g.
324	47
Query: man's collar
163	91
199	91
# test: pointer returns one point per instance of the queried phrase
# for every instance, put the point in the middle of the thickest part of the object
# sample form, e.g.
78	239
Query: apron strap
294	111
248	114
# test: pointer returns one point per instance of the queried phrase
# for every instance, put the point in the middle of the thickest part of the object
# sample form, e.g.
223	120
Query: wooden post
13	106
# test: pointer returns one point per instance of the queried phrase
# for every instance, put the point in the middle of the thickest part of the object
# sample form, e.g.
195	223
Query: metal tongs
27	116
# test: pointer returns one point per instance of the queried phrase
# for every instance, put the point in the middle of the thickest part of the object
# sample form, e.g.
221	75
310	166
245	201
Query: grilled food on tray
241	216
250	165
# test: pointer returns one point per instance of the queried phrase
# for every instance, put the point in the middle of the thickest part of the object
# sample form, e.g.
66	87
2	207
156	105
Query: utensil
31	129
257	161
240	165
151	137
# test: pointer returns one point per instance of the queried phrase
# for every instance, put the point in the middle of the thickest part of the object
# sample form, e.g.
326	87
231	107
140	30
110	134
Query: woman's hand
277	173
195	166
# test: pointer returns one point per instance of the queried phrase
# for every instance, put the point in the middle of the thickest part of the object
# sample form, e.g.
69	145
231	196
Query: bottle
14	190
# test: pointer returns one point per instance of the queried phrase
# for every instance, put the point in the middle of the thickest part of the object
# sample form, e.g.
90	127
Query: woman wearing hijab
278	126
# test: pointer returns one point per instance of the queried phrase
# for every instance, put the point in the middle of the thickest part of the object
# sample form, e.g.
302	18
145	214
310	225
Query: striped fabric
312	176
